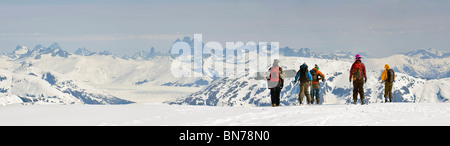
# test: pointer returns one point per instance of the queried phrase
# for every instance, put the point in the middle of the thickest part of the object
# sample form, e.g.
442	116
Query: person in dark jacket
359	77
304	76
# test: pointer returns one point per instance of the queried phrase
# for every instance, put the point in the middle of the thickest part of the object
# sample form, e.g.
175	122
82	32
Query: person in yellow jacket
388	78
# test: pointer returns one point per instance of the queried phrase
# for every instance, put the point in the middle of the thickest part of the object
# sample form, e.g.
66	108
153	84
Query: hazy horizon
379	28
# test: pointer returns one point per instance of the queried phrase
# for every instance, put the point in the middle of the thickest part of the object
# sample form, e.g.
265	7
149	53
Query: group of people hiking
311	78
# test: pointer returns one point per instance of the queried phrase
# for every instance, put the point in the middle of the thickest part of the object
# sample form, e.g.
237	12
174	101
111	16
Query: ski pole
391	91
325	92
349	98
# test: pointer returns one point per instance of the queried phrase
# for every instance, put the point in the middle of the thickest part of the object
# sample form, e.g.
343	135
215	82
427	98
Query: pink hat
358	57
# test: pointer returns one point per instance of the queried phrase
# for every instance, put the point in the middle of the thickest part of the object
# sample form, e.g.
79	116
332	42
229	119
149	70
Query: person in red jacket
359	77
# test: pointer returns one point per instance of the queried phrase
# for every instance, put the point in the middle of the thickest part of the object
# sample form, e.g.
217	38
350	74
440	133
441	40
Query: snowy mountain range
337	89
306	52
24	52
53	75
28	84
427	54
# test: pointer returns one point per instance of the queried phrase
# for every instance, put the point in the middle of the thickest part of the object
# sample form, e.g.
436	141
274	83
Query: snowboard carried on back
264	75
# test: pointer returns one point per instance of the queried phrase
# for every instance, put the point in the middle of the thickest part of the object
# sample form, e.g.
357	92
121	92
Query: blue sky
378	27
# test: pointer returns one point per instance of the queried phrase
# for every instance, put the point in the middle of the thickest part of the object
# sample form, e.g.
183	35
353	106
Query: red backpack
357	71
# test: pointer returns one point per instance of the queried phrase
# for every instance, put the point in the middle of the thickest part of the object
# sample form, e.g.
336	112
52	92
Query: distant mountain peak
105	52
144	55
54	46
20	50
38	47
83	52
23	51
429	53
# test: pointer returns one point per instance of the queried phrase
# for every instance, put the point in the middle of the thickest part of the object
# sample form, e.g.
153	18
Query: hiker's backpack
314	75
275	74
357	71
304	74
390	75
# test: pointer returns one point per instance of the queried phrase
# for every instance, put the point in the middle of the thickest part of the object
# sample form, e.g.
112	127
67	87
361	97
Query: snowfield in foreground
162	114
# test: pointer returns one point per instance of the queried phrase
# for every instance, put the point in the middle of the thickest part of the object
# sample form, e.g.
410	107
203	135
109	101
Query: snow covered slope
427	53
103	68
163	114
93	71
430	68
108	69
337	90
28	84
